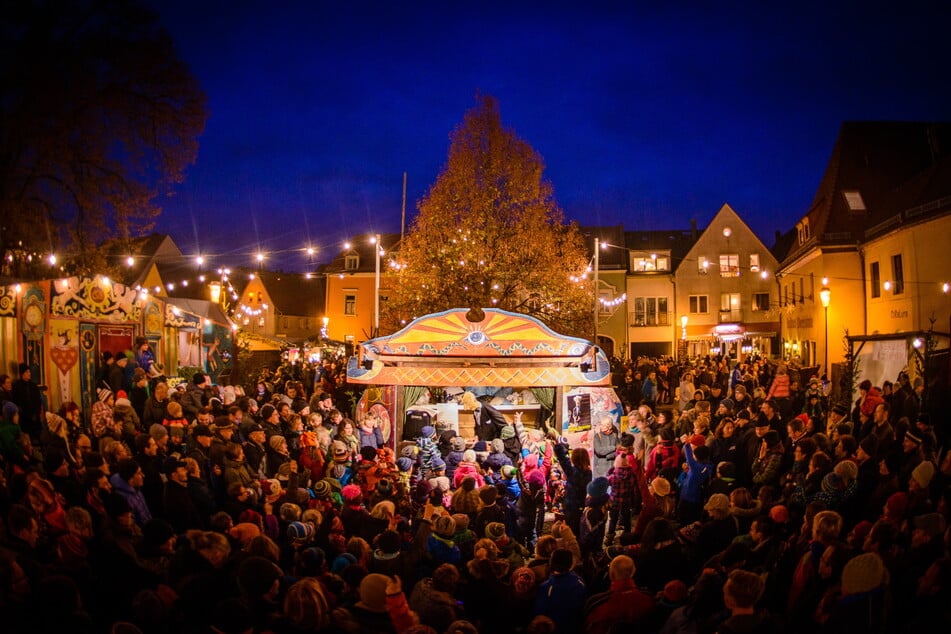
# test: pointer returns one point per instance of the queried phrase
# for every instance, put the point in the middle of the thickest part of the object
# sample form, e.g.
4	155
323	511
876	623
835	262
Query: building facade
351	282
725	287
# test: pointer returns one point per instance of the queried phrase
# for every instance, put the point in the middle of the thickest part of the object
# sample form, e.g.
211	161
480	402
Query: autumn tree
99	116
490	234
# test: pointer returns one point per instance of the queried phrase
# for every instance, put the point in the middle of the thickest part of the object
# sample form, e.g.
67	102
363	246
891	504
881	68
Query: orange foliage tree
489	234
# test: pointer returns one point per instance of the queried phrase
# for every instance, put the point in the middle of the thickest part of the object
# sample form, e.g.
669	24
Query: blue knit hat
10	410
598	490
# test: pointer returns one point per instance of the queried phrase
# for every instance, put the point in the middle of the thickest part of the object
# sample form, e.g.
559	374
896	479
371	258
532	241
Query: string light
199	260
611	303
130	261
52	259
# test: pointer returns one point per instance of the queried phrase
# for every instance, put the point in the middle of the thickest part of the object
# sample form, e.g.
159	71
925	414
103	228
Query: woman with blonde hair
305	607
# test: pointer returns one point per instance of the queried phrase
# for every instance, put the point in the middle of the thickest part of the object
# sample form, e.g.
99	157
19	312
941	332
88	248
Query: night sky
644	116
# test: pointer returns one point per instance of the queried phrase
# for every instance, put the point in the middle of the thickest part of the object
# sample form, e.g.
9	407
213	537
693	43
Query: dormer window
802	230
351	262
854	200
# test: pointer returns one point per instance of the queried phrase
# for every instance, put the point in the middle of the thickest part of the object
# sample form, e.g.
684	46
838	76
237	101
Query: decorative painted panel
8	301
95	299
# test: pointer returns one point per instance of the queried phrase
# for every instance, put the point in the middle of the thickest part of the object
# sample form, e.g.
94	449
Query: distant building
350	288
725	287
652	313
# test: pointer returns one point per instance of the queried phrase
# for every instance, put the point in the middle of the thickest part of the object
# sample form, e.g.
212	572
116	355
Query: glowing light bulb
52	259
130	260
259	257
199	260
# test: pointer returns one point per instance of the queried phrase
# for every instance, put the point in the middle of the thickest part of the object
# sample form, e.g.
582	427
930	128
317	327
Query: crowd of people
729	499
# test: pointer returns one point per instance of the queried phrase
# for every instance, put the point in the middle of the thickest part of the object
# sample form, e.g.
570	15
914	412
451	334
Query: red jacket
623	603
872	400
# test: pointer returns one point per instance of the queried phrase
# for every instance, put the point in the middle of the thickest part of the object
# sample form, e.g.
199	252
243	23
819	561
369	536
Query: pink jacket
467	469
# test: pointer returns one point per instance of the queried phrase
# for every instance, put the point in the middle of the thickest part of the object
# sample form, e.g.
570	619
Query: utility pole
403	215
376	285
597	291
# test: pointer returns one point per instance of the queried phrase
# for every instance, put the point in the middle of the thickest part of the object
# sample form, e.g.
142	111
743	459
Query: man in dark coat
179	508
26	394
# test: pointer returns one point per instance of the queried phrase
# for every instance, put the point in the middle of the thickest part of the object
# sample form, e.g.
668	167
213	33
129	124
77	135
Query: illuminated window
650	311
730	265
854	201
642	262
702	265
754	262
729	301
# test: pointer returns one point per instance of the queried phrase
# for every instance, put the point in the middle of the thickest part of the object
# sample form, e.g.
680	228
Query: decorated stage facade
60	328
479	349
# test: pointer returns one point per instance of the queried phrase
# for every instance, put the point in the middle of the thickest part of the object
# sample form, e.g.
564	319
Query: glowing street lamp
825	294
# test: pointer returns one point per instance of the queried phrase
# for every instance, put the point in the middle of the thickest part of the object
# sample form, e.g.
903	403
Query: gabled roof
727	217
145	251
294	293
361	246
872	159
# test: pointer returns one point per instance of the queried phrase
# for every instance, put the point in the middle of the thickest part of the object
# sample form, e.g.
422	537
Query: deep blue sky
644	116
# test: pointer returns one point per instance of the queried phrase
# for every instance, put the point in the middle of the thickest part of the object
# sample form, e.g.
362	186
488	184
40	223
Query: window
802	230
760	301
650	311
754	262
349	304
899	274
802	296
351	262
729	301
698	304
730	265
284	320
644	262
875	279
854	201
702	265
605	301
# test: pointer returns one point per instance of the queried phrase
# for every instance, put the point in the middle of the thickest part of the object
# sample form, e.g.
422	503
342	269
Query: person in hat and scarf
428	451
341	466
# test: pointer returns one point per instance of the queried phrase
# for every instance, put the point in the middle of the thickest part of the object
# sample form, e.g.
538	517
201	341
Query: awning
200	308
482	347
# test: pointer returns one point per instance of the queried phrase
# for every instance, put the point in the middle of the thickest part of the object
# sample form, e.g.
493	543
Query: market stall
507	361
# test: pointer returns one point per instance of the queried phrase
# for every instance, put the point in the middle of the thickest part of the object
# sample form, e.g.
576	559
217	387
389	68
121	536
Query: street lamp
825	294
683	335
376	286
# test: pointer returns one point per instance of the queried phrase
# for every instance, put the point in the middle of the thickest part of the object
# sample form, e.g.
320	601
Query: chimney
693	229
778	236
